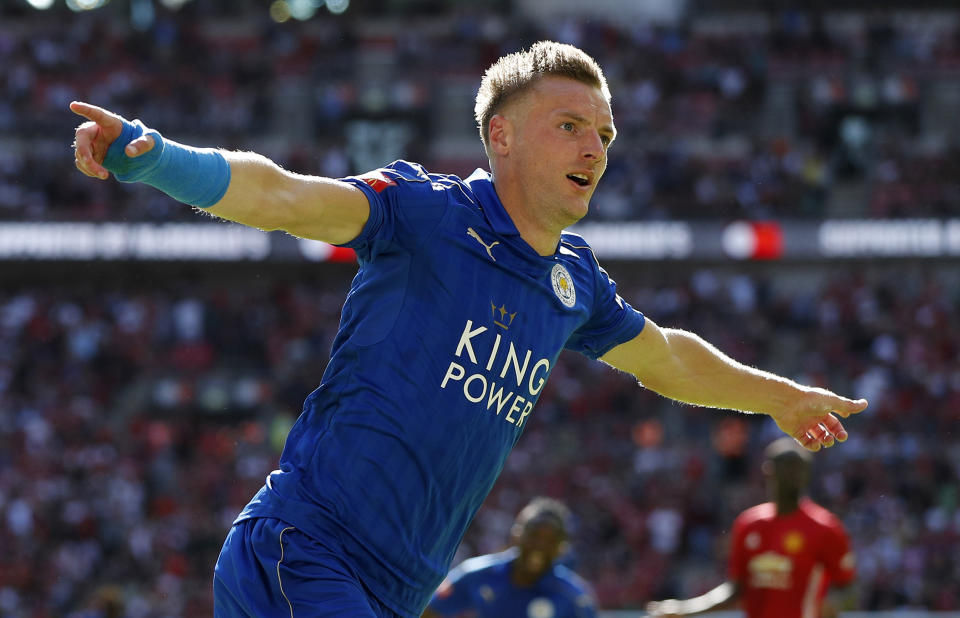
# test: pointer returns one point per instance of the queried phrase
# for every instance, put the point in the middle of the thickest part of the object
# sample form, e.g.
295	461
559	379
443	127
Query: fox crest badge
563	285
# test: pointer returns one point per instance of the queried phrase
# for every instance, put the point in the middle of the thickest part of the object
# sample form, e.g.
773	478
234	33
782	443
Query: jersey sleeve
585	605
405	208
612	321
838	555
453	596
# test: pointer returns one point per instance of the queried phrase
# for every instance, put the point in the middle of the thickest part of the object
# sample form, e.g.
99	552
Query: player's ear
501	130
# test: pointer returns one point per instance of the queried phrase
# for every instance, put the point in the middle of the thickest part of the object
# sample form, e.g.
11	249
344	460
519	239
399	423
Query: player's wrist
132	169
195	176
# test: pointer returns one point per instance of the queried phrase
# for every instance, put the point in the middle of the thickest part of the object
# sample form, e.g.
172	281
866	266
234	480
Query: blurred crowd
717	119
136	420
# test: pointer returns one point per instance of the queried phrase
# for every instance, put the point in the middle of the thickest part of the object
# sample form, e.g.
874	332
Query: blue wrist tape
195	176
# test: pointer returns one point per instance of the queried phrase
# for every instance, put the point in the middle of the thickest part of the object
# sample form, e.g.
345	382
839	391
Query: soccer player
785	554
525	580
467	291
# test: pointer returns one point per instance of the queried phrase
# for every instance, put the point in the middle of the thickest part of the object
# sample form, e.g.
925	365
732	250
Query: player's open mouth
580	179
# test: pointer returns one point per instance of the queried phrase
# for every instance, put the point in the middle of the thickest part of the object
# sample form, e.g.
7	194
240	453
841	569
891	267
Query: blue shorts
268	568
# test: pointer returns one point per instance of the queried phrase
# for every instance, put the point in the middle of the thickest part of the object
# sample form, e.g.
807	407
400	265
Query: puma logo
473	234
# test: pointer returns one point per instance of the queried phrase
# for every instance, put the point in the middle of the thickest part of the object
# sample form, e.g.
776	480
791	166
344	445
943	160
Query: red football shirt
784	564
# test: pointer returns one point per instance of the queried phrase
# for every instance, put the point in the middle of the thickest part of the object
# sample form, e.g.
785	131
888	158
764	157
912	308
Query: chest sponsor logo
771	570
492	373
563	285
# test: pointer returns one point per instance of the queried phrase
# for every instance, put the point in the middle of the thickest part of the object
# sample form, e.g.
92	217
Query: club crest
563	285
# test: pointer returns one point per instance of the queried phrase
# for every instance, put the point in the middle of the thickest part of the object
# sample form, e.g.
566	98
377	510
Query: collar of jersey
481	183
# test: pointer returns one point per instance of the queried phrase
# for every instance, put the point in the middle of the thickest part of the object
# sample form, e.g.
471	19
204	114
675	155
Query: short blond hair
515	73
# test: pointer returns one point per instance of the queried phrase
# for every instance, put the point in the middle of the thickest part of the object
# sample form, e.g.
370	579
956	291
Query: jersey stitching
587	247
280	581
813	588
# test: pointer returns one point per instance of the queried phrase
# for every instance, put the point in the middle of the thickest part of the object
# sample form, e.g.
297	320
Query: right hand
95	136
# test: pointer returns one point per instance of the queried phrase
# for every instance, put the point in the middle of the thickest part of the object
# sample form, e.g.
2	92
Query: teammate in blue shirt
525	581
466	293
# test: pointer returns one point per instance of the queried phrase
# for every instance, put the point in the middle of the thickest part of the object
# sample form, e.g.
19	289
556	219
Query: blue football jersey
447	336
482	586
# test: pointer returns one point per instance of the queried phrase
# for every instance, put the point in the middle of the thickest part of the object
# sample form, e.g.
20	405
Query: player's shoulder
412	181
755	514
819	514
568	585
576	245
407	170
410	172
569	580
417	172
484	563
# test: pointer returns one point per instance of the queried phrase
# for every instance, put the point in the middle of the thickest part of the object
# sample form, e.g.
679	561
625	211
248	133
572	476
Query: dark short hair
542	510
515	73
787	448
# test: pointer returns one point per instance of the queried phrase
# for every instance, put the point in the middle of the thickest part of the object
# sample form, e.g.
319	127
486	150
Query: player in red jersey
785	554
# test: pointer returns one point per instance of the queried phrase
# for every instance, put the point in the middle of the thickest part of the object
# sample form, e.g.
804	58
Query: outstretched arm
259	193
682	366
724	596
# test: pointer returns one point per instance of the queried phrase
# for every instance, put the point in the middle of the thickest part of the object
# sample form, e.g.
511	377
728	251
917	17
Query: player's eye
567	126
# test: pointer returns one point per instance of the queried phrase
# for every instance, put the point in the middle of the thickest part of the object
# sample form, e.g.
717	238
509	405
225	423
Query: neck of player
542	236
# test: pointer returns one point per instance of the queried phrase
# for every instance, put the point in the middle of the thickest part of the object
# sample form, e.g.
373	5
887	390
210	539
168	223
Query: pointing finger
94	113
90	112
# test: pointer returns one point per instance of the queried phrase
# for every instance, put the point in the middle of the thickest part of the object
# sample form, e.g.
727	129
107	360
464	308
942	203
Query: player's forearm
698	373
722	597
239	186
263	195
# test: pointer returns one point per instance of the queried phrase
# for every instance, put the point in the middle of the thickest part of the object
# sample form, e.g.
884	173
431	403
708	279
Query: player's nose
592	145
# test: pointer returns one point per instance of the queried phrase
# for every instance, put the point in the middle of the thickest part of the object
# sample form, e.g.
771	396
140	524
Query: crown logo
501	317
